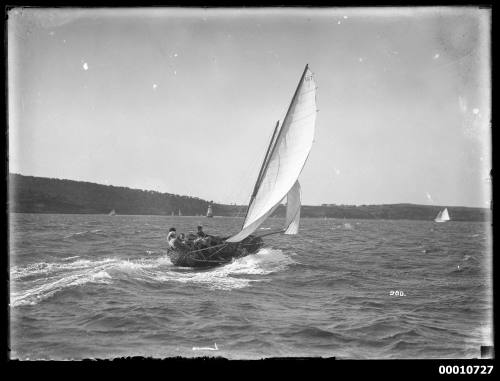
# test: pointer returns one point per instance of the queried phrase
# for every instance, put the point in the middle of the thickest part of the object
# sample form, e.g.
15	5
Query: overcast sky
185	100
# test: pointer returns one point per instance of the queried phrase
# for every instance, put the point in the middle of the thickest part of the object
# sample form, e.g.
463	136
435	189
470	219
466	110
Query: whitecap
228	277
38	293
69	258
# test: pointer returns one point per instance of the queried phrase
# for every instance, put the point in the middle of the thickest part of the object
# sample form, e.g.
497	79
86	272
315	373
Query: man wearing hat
200	232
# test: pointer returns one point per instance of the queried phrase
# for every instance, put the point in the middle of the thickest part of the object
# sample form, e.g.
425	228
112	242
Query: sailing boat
442	216
285	157
112	213
180	213
210	213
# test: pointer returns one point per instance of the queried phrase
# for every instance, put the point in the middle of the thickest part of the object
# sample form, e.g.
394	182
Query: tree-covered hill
29	194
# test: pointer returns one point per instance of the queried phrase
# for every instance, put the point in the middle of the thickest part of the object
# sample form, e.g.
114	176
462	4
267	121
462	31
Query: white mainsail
286	158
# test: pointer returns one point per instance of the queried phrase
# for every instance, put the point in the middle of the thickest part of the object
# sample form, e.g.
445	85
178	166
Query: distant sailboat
112	213
210	212
180	213
277	180
442	216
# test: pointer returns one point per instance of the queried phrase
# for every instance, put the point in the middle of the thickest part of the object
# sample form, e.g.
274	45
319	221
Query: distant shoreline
203	218
41	195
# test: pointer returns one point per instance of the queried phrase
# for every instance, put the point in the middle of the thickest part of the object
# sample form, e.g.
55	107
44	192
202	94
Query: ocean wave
57	276
85	234
36	294
69	258
52	268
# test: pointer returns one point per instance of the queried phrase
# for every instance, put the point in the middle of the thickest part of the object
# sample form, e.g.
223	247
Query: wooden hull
214	256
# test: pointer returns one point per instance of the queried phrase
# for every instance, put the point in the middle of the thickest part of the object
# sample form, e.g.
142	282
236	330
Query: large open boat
285	157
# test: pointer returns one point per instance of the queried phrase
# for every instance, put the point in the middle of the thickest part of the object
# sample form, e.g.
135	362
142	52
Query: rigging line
263	168
211	255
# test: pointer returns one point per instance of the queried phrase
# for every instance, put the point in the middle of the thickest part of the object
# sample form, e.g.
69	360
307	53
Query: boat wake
228	277
36	282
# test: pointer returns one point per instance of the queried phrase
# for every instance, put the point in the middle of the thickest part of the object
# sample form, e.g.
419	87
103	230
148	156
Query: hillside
29	194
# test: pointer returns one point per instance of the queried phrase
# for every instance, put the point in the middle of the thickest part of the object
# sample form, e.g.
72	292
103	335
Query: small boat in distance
112	213
442	216
210	212
277	180
180	213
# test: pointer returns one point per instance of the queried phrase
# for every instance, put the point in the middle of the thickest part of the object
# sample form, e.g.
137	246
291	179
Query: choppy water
98	286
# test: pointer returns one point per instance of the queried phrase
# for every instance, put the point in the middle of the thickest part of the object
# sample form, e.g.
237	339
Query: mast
266	160
259	177
264	167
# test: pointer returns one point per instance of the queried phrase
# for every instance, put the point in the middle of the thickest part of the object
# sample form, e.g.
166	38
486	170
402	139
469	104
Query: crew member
200	232
171	236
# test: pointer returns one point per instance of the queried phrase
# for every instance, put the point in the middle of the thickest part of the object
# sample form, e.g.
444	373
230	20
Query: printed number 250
396	293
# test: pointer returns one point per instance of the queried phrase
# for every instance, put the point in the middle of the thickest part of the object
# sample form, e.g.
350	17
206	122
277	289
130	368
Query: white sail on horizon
442	216
209	211
286	159
445	216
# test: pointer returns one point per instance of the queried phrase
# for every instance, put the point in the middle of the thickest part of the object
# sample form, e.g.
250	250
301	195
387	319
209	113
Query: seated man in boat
184	242
177	242
200	232
202	239
190	240
171	236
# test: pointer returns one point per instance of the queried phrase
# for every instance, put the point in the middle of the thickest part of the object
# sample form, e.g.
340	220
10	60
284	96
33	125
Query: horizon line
324	204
